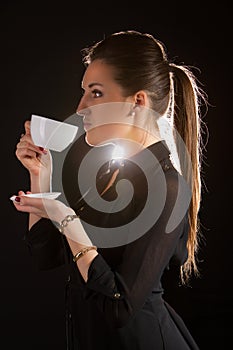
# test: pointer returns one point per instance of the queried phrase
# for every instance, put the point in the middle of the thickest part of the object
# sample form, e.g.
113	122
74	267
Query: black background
40	73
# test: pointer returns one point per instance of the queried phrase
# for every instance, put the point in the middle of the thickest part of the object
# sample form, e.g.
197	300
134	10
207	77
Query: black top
143	230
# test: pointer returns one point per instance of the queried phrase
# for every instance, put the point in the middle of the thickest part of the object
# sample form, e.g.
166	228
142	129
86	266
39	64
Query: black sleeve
45	244
121	291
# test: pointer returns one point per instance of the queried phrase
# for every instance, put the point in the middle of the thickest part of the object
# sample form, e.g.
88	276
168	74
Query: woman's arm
38	162
57	211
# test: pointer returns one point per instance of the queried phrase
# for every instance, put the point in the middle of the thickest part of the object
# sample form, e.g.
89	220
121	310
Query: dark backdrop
41	73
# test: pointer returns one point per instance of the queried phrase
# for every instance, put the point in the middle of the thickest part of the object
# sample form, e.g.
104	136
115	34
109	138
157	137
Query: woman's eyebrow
91	85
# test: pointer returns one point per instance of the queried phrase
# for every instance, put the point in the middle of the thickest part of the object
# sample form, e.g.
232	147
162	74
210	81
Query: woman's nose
82	111
81	105
83	108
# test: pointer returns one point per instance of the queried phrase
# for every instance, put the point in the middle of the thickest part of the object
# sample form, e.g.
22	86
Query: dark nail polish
41	148
17	199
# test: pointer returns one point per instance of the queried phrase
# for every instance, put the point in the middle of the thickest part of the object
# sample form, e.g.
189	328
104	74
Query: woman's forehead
97	72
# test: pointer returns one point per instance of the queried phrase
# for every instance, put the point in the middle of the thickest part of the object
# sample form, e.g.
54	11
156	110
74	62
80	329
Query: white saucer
48	195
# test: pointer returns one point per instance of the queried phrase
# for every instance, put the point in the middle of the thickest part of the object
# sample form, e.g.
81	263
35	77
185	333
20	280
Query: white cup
52	134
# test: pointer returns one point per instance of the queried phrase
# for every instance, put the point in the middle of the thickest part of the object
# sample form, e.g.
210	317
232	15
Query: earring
132	112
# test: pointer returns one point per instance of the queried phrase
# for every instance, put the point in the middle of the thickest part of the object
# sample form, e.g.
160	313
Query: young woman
133	194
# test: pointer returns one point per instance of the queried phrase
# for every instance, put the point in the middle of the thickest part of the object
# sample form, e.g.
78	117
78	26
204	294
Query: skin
111	123
99	88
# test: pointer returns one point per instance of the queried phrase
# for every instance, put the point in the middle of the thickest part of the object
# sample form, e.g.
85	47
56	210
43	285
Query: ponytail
187	123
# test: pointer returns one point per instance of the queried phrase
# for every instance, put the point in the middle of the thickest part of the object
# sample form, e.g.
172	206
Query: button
166	167
117	295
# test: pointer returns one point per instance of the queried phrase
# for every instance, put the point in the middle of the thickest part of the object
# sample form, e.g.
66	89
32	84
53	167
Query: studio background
41	72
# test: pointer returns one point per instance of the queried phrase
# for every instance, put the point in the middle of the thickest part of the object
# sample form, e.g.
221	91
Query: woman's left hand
52	209
56	211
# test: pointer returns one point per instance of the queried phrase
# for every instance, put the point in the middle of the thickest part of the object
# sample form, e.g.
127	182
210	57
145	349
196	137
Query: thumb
27	126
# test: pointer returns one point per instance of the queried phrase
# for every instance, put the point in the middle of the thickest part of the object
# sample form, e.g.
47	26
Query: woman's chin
94	141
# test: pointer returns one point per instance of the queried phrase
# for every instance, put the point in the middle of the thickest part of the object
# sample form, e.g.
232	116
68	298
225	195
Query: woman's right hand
35	159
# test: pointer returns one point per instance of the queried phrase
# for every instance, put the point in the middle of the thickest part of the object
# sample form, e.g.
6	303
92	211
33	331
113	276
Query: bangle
66	221
83	252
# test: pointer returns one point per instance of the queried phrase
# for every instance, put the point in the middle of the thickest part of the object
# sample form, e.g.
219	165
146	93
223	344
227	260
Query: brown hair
140	63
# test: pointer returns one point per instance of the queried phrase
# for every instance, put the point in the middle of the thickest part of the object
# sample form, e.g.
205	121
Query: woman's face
103	106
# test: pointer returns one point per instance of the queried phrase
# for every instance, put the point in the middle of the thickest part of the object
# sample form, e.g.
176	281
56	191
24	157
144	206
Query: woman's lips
87	126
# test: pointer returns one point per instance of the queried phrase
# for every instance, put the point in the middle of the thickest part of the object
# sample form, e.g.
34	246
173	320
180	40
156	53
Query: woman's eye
97	93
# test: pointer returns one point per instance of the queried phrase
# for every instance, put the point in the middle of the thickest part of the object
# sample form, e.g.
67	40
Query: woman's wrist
71	226
85	259
40	183
41	180
60	214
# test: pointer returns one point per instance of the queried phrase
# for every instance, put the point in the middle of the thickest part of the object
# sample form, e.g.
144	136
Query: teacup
52	134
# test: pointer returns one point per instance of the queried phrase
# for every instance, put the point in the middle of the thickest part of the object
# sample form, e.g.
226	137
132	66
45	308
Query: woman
133	197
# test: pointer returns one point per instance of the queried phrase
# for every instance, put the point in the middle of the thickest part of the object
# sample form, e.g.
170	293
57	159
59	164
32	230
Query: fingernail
17	199
43	150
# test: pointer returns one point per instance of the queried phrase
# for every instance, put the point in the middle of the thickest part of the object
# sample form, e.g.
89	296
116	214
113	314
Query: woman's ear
141	99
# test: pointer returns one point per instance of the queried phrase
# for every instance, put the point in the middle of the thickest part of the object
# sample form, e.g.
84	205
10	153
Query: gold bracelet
83	252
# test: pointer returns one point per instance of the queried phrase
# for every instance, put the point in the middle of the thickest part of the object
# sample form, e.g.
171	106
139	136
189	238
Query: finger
26	138
21	193
27	125
26	153
17	198
27	142
26	208
23	144
29	205
38	203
